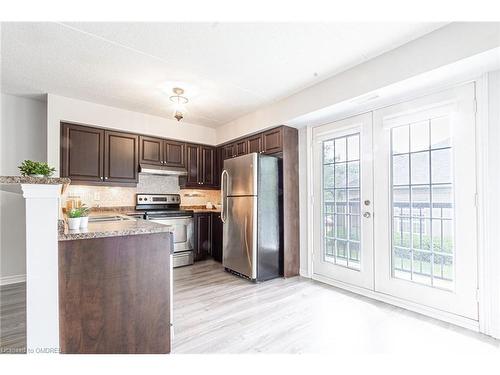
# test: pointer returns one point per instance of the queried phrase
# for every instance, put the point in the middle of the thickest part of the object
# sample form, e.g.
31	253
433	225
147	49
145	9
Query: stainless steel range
165	209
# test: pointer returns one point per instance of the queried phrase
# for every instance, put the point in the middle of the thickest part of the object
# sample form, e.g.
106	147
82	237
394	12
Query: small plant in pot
84	216
36	169
74	218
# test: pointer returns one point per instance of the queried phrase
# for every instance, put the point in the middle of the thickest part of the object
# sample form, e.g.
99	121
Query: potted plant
84	216
36	169
74	217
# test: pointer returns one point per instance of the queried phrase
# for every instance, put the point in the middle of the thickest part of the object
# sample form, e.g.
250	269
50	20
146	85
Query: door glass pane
341	201
422	203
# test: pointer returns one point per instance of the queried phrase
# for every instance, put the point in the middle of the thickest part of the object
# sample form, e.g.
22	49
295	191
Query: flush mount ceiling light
179	102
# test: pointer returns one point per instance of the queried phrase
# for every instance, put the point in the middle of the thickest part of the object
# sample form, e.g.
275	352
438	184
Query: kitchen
204	216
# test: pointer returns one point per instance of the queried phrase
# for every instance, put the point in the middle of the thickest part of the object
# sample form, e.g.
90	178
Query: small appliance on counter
165	209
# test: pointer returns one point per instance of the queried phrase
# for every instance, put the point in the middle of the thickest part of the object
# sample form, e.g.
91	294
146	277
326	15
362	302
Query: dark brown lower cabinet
217	236
203	235
114	295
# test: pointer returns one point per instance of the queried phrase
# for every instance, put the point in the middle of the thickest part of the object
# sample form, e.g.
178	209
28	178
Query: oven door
182	229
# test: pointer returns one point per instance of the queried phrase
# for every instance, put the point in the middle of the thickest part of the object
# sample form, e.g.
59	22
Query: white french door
417	192
425	192
343	193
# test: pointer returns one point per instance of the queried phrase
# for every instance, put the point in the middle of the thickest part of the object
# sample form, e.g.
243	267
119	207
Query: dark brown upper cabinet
174	154
151	150
254	143
207	166
241	147
82	153
219	165
229	151
121	157
193	165
272	141
159	151
201	167
97	156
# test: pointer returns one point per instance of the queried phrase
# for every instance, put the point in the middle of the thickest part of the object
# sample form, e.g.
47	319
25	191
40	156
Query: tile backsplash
106	196
194	197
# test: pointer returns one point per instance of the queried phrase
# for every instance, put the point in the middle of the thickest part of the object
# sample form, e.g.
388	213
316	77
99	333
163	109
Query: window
341	201
422	202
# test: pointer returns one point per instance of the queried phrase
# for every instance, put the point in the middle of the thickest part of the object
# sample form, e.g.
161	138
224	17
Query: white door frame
489	314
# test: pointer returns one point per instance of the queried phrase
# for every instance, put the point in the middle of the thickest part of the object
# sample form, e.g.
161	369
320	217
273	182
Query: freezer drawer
240	236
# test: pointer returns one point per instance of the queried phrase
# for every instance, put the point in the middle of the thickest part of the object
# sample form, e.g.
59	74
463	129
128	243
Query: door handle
367	215
223	195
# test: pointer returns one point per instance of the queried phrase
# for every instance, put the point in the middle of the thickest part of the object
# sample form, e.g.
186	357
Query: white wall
441	47
22	136
60	108
492	194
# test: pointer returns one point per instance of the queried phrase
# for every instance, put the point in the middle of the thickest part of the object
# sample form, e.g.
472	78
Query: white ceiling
228	69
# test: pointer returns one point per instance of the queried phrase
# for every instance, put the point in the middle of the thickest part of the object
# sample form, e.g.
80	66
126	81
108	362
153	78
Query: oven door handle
223	194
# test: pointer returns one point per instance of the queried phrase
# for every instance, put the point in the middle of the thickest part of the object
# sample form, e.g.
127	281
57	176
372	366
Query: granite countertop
111	229
34	180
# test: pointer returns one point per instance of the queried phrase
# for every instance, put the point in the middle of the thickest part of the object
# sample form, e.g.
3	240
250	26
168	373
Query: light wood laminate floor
217	312
13	318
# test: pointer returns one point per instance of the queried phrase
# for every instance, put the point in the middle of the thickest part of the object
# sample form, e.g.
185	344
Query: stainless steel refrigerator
251	206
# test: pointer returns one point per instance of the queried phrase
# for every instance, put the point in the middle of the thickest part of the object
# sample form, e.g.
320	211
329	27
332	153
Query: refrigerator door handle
223	194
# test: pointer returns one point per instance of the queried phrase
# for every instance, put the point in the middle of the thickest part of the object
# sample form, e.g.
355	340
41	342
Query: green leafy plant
74	213
30	167
84	210
81	211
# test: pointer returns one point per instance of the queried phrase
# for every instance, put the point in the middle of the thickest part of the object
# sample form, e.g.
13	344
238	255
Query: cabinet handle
105	178
102	178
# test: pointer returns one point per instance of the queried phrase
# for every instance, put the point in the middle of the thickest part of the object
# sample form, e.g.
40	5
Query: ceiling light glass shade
179	103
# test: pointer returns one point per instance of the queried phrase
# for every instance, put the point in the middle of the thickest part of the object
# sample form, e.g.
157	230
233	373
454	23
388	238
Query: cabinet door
273	141
254	144
216	237
193	165
241	147
175	154
229	151
151	150
208	166
203	222
82	153
121	154
219	163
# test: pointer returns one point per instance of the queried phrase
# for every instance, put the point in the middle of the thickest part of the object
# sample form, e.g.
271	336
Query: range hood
162	170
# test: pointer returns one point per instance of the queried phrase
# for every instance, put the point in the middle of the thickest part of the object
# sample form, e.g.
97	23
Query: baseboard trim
415	307
6	280
304	273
